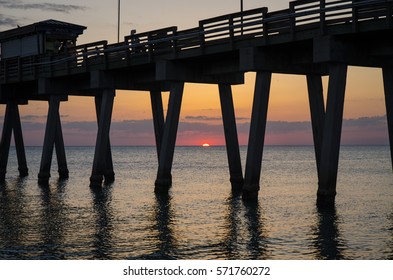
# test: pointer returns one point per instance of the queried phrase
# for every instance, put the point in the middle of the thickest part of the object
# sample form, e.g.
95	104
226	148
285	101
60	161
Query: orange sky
200	115
200	120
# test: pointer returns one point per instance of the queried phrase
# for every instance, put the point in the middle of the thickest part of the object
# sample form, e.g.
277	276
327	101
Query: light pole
118	21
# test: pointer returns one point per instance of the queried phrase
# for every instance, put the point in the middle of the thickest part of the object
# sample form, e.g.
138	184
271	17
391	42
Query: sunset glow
206	145
289	121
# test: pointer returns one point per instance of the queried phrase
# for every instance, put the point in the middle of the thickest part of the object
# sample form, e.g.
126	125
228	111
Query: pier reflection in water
12	219
103	215
328	243
200	218
163	226
245	237
53	221
390	246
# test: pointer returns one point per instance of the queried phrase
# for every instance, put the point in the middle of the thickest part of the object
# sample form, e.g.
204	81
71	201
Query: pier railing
226	32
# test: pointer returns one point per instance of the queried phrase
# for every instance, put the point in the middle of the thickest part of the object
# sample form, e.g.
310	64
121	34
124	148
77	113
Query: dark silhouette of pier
311	38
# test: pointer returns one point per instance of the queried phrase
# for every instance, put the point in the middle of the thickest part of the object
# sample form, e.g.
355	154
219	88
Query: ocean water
200	218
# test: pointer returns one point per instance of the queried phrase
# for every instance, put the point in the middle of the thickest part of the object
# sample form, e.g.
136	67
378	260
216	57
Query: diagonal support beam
257	135
109	173
231	139
19	143
158	118
6	138
317	109
60	152
52	122
12	123
388	86
332	135
164	177
102	143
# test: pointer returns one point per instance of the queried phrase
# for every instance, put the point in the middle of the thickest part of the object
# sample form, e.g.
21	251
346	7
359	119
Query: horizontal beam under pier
257	135
352	50
287	60
194	73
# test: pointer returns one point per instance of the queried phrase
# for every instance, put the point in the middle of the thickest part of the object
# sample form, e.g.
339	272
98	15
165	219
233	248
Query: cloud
20	5
8	21
33	126
359	131
80	126
33	117
202	118
365	121
281	126
207	118
366	130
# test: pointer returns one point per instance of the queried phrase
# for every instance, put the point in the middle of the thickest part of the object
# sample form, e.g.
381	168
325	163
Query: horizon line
211	145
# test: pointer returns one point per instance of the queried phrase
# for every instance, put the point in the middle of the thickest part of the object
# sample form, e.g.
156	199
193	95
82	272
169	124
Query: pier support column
60	152
158	118
388	85
109	174
164	177
257	135
12	123
53	136
317	109
231	139
100	162
19	144
332	135
6	139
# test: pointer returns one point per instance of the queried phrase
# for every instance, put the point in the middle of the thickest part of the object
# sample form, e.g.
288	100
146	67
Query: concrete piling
388	86
164	177
257	135
102	142
158	118
12	123
317	109
332	134
53	136
231	139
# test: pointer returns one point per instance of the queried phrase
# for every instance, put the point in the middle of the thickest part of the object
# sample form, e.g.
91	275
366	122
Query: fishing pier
312	38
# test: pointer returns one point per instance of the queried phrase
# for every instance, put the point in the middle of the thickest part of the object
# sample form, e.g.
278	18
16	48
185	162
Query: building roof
46	26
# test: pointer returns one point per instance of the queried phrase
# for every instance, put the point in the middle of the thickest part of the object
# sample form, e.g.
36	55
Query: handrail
232	27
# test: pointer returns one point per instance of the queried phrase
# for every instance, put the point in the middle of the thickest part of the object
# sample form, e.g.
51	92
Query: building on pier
44	37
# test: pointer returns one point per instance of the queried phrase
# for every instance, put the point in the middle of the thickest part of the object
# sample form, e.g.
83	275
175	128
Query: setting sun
206	145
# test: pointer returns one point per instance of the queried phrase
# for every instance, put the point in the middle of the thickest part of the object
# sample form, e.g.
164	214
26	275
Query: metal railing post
265	27
231	30
201	37
292	19
354	18
322	17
